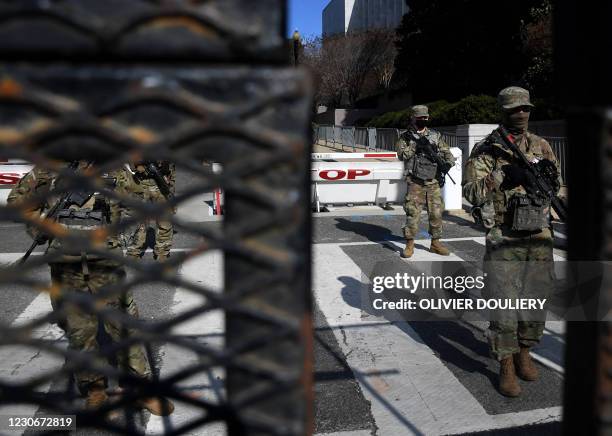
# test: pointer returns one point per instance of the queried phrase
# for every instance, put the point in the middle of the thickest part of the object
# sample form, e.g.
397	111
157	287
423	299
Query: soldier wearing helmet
423	177
519	240
84	265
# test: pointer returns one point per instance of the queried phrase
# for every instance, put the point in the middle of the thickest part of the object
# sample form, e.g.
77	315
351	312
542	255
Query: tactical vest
420	166
82	216
513	208
139	182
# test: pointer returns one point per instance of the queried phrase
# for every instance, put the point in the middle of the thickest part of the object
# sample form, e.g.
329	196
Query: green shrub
391	119
473	109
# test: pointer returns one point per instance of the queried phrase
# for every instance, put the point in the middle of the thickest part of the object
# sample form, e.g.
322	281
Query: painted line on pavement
417	394
20	364
205	270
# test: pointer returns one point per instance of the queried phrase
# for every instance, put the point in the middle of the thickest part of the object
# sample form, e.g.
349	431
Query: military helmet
513	96
420	111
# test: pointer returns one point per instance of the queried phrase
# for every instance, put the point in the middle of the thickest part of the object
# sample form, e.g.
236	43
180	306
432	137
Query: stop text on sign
9	178
351	174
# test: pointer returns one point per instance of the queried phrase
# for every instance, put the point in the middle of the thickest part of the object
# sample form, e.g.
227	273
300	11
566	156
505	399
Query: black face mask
516	122
421	124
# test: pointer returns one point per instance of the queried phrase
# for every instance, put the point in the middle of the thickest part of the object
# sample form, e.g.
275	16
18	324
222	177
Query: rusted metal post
190	81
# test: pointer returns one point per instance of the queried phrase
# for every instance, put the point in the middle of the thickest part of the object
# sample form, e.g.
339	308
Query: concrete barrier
370	178
451	192
11	171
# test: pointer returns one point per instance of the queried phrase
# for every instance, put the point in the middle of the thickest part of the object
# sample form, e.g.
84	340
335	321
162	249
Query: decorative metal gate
196	81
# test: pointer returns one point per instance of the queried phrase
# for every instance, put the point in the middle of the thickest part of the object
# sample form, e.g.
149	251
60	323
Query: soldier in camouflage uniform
87	273
422	177
138	182
519	254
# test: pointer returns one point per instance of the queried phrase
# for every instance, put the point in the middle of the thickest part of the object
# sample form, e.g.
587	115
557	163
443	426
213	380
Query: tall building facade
344	16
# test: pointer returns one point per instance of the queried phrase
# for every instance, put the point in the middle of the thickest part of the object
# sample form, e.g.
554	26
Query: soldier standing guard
82	213
141	183
424	178
519	241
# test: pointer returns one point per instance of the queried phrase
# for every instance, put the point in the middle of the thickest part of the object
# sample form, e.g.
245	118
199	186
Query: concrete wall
344	117
376	105
326	118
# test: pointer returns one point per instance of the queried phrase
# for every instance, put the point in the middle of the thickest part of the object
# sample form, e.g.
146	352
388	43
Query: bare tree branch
343	65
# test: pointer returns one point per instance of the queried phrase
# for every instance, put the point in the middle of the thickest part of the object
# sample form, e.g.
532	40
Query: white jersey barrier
451	192
212	203
11	171
370	178
337	179
356	178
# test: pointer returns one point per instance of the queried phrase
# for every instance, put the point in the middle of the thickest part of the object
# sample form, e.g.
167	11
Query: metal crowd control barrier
353	139
110	81
559	146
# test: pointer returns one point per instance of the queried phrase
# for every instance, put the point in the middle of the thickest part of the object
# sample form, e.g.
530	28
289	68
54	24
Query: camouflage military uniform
145	189
518	263
87	274
422	192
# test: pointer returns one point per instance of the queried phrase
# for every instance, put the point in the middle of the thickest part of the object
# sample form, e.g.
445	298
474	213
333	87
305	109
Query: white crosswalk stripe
205	270
19	364
411	391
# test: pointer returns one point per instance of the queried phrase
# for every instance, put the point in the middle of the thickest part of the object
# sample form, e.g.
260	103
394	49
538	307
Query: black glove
514	176
545	166
548	170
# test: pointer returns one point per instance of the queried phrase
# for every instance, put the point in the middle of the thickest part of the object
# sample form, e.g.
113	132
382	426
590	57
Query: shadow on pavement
462	222
446	338
465	353
371	232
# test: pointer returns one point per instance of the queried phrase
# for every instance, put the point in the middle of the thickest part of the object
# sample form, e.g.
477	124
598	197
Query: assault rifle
424	145
66	200
156	175
543	179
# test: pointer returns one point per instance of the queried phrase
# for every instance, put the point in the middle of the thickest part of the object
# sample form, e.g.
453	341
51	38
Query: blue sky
305	15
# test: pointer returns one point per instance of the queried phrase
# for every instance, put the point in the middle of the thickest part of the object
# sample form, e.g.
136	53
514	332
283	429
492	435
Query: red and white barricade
11	171
370	178
356	178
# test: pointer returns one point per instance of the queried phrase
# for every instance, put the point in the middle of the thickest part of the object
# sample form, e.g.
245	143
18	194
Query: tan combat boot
508	383
96	397
526	368
439	248
157	406
409	250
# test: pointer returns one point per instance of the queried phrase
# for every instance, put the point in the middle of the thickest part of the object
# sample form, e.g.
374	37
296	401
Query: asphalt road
355	387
